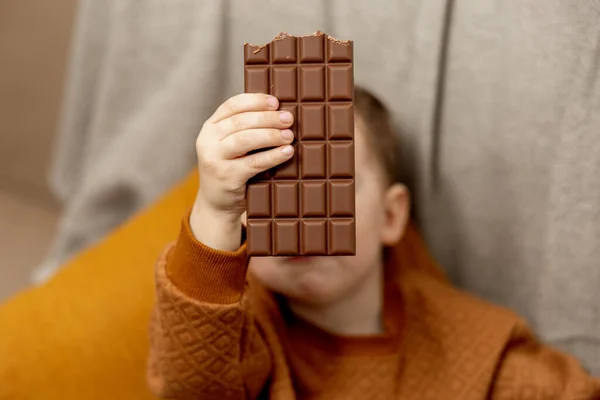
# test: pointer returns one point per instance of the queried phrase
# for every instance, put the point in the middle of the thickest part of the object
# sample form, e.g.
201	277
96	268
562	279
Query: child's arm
530	370
204	342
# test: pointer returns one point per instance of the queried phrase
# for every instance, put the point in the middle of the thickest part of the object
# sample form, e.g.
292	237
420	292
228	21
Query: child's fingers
244	102
243	142
255	163
254	120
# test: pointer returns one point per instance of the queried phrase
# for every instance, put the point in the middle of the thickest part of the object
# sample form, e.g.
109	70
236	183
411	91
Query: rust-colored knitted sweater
217	334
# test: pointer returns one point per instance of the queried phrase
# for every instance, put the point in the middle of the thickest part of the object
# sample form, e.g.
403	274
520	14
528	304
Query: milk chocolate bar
306	205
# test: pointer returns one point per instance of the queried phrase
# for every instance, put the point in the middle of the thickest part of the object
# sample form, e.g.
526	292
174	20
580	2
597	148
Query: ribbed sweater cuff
206	274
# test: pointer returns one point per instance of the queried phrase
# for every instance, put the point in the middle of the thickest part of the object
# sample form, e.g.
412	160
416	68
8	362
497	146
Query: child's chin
306	279
314	291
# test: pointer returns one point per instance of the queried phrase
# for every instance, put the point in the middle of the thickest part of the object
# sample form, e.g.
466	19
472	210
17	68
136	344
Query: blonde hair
380	134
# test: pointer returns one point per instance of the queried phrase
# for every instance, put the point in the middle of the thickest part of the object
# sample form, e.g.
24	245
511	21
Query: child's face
381	216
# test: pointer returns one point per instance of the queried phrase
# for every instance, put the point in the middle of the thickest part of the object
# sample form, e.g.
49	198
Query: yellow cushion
84	334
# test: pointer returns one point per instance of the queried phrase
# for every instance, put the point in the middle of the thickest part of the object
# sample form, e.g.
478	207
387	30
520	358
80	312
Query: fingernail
287	150
272	102
287	134
285	117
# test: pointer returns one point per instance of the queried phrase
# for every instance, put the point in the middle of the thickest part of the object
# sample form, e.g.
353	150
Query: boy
382	324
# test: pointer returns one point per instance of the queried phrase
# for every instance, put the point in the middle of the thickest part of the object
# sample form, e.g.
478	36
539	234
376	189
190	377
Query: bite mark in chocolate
305	206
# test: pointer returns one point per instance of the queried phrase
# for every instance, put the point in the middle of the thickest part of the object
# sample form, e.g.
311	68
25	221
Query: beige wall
34	40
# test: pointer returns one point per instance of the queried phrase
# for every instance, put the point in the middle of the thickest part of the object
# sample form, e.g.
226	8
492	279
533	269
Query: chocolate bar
306	205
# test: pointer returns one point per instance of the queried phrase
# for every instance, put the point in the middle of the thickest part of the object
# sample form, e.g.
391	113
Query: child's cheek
369	205
368	220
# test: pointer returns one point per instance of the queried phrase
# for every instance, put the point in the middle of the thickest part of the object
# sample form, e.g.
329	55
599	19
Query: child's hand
244	123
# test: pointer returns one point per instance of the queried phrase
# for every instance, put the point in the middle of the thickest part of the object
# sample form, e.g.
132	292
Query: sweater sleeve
204	343
530	370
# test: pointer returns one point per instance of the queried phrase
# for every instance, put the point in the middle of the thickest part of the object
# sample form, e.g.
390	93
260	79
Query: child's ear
397	214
